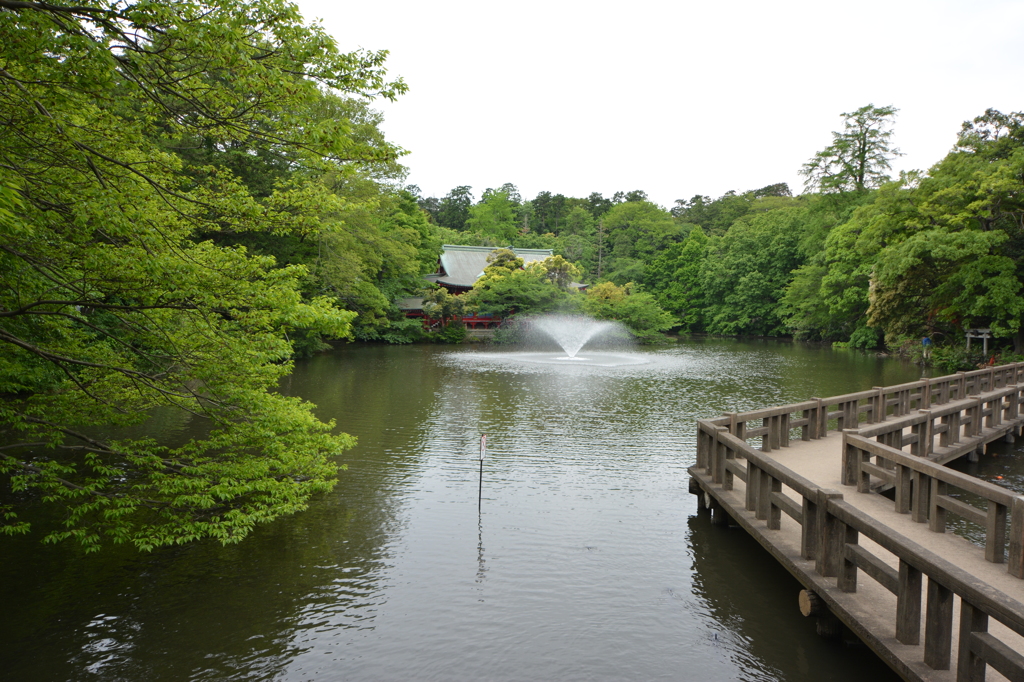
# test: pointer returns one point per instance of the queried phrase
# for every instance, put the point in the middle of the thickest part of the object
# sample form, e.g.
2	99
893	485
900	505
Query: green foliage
494	218
747	271
638	310
858	156
453	209
677	277
453	332
125	283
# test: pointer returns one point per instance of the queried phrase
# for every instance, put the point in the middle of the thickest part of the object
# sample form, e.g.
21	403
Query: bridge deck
871	610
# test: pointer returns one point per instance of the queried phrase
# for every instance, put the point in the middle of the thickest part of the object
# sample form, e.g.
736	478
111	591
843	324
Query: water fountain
572	332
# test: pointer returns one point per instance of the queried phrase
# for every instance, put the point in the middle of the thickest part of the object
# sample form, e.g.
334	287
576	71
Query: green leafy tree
859	156
636	231
747	271
636	309
115	301
453	209
953	255
675	279
494	217
507	288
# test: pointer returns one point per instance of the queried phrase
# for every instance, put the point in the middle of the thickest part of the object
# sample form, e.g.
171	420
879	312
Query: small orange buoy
999	477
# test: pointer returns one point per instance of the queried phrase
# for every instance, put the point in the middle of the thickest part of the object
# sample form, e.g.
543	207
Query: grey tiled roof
463	265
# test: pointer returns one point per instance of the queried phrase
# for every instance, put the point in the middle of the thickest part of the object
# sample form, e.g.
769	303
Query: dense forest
194	194
859	259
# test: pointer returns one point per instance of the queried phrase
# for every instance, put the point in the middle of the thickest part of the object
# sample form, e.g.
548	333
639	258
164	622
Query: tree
506	288
858	156
557	270
951	244
747	271
674	277
439	304
627	304
113	299
453	211
494	217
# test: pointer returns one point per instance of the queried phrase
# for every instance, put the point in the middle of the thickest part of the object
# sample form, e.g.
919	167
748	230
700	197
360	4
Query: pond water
586	561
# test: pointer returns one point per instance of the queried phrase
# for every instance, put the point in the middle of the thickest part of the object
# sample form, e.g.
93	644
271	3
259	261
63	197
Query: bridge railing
956	425
922	490
830	529
816	417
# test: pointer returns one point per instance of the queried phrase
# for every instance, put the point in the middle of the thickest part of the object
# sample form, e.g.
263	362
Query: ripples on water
587	563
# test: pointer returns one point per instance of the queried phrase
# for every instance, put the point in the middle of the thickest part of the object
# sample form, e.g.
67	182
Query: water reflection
583	564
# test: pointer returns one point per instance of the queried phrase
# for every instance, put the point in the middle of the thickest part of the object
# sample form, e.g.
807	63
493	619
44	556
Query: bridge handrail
879	405
830	529
920	487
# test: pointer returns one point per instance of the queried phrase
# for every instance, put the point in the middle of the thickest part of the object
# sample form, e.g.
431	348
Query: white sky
677	98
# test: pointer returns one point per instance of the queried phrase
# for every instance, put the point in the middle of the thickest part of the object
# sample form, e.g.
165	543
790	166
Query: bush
453	332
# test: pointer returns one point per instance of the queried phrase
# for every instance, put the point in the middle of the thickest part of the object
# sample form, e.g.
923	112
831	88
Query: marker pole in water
480	494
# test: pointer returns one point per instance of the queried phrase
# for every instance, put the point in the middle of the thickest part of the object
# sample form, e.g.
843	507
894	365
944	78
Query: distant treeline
860	258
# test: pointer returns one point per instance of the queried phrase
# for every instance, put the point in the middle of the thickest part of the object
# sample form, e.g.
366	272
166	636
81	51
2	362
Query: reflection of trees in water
237	612
745	589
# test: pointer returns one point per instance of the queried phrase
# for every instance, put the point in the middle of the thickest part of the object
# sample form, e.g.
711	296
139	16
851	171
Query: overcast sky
674	98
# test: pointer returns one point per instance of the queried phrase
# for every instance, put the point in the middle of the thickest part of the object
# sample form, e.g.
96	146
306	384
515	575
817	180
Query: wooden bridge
862	482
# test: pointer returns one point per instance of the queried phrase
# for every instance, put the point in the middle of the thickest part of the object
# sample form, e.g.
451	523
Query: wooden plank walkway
929	603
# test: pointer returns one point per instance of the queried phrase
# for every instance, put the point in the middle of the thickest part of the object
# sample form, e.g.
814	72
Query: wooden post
908	605
851	463
847	578
995	532
830	539
702	448
936	513
811	604
969	666
938	627
774	510
809	529
727	475
922	490
902	488
1015	564
718	458
753	485
764	489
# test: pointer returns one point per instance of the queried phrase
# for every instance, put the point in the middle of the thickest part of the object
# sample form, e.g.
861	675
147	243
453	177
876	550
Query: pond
586	560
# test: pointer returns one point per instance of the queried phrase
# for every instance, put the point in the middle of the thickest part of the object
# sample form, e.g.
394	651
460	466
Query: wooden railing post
809	528
774	510
847	578
969	666
936	512
922	491
938	626
830	539
904	477
753	485
727	475
908	605
850	473
718	457
1015	563
995	532
879	412
923	446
